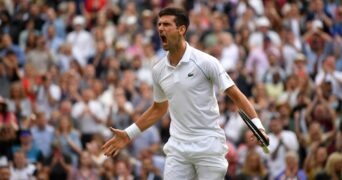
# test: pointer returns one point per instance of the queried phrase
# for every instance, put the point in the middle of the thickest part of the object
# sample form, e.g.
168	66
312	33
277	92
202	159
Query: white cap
263	21
131	20
78	20
317	24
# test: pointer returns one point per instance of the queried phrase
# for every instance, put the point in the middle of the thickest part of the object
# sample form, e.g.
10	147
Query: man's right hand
116	143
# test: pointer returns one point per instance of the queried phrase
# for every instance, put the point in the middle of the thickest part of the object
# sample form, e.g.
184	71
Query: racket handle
265	149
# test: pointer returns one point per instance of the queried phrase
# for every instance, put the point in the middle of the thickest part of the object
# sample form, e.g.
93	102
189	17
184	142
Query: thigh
217	172
210	162
178	168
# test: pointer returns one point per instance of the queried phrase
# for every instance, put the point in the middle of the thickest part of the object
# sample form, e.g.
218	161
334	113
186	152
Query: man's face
169	33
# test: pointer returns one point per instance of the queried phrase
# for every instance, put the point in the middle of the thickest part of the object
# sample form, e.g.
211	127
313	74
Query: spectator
330	74
316	159
332	168
89	116
32	153
4	81
292	170
108	169
18	103
43	134
41	57
150	139
8	45
53	42
58	164
283	142
253	167
21	167
68	139
94	149
86	168
56	21
48	95
123	169
81	41
7	118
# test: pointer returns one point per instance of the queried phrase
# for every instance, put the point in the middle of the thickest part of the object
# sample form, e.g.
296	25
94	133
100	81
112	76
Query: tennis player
184	83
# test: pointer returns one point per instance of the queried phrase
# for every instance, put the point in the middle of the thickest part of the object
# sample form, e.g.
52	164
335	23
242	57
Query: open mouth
163	38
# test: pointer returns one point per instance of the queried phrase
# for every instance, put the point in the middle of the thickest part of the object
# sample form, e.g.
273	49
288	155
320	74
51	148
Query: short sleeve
158	93
219	76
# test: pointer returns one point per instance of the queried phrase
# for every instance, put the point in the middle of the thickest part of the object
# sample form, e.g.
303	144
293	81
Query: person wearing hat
256	39
81	40
299	65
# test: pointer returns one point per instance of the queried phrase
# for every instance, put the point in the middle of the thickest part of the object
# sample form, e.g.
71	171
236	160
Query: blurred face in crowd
121	168
5	173
291	162
20	160
315	131
276	125
65	124
321	154
85	159
169	33
41	120
87	95
253	160
6	40
249	142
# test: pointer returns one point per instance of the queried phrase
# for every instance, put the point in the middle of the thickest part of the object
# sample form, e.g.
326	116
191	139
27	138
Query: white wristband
133	131
257	123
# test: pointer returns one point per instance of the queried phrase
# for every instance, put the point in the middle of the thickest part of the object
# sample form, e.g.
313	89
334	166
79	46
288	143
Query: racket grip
265	149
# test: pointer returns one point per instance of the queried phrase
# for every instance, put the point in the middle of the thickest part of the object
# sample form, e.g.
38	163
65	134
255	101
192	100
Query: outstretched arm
123	137
243	103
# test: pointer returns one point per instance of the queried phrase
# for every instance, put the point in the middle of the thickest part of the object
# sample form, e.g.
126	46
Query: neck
176	53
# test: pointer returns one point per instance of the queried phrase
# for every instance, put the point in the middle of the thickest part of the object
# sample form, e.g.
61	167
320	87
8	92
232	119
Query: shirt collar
185	57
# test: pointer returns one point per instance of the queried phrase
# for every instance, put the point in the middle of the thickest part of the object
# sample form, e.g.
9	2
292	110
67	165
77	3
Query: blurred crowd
71	69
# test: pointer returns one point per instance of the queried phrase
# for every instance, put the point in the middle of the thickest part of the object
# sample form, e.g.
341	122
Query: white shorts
202	160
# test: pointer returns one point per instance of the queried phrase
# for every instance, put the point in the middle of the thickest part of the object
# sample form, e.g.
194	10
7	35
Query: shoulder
159	65
202	57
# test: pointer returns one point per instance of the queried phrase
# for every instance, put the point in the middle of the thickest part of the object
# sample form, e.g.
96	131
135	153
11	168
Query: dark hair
181	15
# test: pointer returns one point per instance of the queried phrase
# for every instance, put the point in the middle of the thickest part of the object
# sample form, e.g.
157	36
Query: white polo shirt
189	89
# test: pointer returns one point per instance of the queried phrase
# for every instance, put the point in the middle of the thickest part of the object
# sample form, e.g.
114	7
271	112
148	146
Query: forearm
152	115
241	101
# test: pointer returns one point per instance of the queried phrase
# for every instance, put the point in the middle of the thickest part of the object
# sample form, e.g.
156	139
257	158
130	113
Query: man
184	84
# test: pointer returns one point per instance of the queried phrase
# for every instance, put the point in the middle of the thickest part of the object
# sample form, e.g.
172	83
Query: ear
182	30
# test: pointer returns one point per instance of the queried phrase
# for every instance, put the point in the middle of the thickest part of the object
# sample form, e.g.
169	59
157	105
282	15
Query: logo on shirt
190	75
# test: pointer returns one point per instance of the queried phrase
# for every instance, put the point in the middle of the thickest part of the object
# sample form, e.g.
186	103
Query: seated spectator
21	167
292	170
253	168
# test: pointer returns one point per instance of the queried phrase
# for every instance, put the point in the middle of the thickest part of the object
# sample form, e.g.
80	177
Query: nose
160	28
